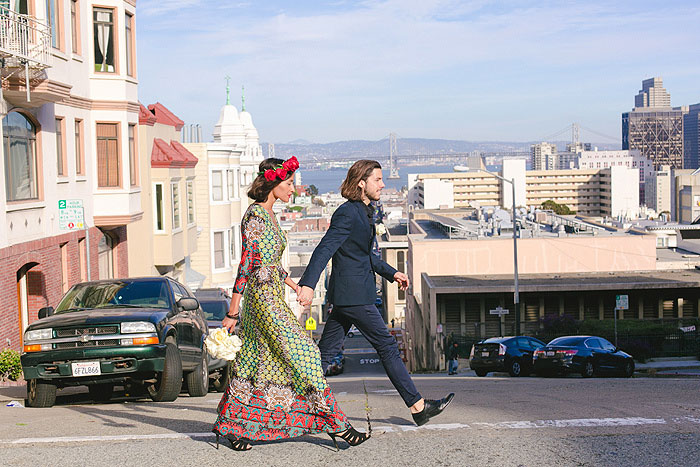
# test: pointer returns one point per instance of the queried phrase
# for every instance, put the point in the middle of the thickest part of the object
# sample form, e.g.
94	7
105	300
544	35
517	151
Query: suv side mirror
188	303
45	312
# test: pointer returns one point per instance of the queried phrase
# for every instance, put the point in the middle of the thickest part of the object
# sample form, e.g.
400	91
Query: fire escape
25	54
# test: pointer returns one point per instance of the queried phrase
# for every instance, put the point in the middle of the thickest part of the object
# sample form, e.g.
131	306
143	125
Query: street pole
516	294
616	311
87	246
516	297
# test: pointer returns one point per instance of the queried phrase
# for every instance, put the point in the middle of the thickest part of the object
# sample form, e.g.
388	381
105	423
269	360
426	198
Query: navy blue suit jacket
349	242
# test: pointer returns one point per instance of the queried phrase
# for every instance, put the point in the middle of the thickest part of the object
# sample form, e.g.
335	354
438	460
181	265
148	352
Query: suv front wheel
198	379
40	393
169	382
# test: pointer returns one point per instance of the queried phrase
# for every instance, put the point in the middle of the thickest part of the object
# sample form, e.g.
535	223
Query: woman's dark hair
360	170
261	187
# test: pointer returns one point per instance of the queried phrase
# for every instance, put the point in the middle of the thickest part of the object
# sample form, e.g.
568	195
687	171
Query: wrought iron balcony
25	45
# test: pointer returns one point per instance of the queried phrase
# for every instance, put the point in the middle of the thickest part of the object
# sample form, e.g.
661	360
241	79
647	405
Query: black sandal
237	444
351	436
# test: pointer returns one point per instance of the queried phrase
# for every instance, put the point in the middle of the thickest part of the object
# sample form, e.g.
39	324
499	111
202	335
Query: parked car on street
147	331
353	331
215	304
508	354
587	355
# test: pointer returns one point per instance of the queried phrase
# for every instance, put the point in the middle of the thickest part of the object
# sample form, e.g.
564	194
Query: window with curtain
128	25
175	193
217	188
103	27
133	163
79	165
52	12
158	211
190	202
60	162
74	25
19	139
107	155
232	246
219	258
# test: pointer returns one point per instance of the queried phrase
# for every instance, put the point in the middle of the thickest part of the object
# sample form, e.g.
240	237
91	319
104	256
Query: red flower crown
290	165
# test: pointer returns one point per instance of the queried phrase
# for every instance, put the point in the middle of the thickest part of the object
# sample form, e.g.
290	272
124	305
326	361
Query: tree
313	191
561	209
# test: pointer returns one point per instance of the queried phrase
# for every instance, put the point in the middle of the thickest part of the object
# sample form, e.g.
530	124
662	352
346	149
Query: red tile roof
171	155
165	116
146	117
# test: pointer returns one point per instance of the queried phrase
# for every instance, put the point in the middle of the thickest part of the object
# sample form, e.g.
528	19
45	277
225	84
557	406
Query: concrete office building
626	158
659	187
654	127
543	156
691	137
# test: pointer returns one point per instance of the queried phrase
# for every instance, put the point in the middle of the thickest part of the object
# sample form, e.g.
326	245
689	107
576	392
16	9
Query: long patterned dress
277	389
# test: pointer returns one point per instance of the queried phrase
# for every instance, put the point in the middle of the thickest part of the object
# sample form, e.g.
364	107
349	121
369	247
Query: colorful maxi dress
277	389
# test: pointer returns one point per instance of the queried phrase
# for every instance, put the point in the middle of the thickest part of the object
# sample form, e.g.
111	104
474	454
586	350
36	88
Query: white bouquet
222	345
380	229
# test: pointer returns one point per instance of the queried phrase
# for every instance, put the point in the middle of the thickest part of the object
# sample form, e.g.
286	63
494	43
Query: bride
277	388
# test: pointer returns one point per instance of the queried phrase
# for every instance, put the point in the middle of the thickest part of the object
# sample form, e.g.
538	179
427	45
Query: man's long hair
360	170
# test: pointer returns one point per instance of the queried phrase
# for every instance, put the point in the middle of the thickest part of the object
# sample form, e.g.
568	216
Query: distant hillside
404	146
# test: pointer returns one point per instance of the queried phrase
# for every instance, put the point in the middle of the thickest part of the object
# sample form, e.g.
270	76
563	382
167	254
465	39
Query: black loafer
431	409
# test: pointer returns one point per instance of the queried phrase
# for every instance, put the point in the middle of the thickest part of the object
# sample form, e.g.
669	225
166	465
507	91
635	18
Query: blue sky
338	70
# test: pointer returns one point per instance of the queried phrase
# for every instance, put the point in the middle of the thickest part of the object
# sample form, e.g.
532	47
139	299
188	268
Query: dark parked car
587	355
147	331
215	304
511	354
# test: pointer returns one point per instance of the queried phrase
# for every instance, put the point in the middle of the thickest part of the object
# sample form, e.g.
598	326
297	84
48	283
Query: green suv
149	331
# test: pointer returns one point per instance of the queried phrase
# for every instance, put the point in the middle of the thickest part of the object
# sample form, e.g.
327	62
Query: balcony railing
25	43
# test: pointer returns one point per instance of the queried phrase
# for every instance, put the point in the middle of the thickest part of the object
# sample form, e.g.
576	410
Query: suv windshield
214	310
118	294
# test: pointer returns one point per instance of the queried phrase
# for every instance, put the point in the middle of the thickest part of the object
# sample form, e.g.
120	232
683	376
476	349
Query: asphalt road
494	421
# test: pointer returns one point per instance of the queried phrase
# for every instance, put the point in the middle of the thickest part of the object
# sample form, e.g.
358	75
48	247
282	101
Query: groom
351	288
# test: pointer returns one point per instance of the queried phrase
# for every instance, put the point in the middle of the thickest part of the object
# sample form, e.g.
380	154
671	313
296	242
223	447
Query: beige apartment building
225	170
588	192
69	110
167	232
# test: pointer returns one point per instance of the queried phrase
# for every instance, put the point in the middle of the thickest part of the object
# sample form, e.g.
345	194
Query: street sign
70	214
499	311
622	302
310	324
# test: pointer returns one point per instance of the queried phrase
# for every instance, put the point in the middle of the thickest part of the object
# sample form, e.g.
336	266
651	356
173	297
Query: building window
75	26
401	266
104	40
53	15
79	155
60	153
129	29
175	192
19	138
105	256
229	179
217	188
133	163
219	257
108	155
158	208
190	202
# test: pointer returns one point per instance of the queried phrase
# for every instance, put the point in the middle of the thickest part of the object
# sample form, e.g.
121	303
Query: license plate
86	368
485	354
550	353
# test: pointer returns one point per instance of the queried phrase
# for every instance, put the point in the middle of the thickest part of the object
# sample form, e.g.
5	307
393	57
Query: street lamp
516	296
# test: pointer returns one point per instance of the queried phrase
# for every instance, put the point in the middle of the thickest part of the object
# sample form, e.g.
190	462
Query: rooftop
566	282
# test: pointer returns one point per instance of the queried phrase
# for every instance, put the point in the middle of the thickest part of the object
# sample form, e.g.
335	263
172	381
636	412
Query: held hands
402	280
304	295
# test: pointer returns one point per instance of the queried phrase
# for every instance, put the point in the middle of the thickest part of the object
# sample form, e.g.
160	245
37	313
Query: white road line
526	424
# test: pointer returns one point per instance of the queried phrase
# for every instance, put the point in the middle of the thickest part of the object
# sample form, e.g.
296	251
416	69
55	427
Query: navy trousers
370	323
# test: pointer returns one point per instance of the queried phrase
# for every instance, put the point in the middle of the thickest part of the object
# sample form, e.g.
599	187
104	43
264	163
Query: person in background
453	363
